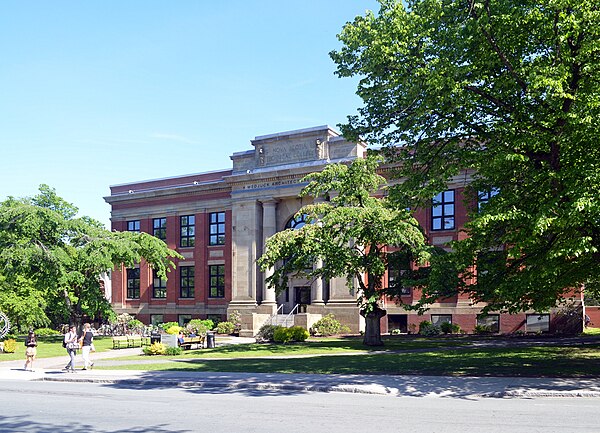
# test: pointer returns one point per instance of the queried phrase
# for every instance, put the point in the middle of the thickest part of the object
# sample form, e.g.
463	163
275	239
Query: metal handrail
285	322
274	315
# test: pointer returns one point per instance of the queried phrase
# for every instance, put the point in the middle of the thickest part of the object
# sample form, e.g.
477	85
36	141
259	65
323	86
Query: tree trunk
373	327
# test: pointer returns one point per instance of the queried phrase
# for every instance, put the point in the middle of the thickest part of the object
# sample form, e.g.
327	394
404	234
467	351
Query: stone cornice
188	190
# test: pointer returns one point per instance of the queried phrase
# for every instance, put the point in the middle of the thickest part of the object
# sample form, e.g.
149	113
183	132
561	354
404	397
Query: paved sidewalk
49	369
410	386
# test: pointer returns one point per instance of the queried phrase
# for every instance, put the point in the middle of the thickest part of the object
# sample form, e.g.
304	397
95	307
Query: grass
452	355
321	346
591	331
48	348
455	356
526	362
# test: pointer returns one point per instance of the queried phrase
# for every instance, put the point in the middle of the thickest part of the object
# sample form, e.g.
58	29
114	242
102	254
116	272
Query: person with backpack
31	350
70	343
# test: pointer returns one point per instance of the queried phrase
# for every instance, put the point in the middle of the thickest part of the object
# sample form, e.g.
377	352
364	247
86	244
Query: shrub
456	328
236	318
167	325
173	330
395	332
265	333
46	332
136	326
298	333
282	335
156	349
10	345
424	324
482	329
172	351
285	335
428	329
328	325
197	326
225	328
446	327
208	324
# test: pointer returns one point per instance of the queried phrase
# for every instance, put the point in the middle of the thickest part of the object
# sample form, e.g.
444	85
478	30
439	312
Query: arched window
297	223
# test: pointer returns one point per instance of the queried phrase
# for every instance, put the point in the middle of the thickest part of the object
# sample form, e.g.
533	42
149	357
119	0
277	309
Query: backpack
64	343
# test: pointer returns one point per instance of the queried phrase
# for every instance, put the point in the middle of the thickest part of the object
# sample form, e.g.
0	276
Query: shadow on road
260	385
22	423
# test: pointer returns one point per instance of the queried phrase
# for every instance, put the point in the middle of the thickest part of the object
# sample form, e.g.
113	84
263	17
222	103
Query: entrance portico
265	186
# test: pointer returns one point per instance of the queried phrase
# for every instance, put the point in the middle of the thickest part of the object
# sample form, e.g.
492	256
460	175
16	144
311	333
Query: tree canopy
51	261
350	234
507	91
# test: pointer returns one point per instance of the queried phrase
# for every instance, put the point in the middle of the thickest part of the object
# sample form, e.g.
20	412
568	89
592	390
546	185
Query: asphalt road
44	407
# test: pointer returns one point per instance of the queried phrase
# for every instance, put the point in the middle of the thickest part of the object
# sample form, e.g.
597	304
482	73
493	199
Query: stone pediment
300	147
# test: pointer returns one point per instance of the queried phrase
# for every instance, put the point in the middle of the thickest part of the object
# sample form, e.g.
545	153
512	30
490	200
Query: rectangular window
438	319
442	211
538	322
159	228
133	226
489	323
216	318
156	319
217	228
133	283
217	281
184	319
188	231
159	286
484	196
186	282
398	266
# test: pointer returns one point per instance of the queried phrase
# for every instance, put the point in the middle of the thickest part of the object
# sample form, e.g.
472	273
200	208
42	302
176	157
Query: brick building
218	221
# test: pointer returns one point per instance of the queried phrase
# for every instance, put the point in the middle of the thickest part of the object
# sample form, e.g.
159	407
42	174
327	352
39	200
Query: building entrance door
302	298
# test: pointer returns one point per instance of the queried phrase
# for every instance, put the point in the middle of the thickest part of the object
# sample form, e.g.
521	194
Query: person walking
31	350
71	344
87	344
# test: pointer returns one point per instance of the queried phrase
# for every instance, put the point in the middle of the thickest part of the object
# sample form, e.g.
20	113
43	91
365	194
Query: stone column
317	292
245	232
317	287
269	229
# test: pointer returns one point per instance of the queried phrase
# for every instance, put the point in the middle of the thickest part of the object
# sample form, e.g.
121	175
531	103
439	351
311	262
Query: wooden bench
189	341
125	341
120	342
134	341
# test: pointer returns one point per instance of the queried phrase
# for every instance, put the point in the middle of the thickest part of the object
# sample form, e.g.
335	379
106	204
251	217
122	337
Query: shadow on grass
326	345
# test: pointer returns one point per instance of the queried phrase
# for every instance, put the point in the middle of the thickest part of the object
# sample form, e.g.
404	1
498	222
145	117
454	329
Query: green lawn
591	331
401	355
317	346
455	355
527	362
48	348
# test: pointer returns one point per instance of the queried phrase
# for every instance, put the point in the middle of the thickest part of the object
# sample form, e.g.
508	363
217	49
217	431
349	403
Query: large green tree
510	91
51	261
349	234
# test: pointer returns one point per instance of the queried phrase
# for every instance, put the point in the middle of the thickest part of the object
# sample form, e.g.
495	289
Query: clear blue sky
98	93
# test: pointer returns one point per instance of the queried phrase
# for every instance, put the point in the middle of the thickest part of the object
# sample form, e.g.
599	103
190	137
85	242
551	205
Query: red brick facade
258	178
